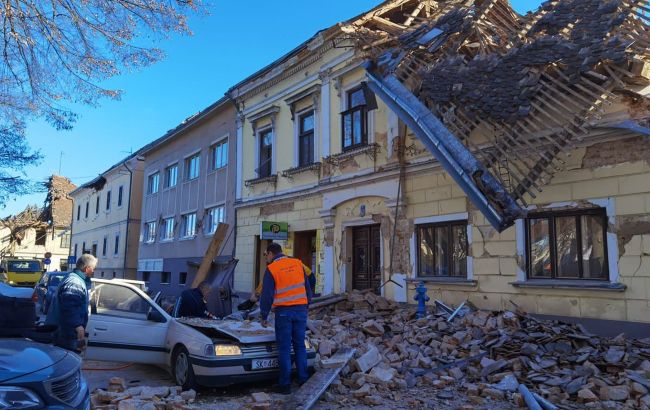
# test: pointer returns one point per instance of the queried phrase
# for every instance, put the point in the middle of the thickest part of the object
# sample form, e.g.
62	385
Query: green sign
275	231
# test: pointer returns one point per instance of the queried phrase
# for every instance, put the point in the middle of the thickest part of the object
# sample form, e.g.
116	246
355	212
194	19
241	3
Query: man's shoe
283	389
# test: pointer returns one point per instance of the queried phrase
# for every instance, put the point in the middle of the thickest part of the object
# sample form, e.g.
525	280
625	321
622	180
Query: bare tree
58	52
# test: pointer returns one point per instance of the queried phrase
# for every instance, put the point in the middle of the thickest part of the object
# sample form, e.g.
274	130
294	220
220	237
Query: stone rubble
118	397
484	355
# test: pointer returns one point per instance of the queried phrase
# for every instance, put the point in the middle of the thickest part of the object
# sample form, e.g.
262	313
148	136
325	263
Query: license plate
265	364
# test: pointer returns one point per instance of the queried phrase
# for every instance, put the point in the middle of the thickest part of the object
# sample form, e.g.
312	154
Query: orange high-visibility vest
289	282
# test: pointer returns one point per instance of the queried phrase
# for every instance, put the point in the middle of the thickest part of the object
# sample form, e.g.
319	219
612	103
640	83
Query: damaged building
495	157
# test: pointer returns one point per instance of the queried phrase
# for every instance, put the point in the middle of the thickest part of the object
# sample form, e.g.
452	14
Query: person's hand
81	332
265	323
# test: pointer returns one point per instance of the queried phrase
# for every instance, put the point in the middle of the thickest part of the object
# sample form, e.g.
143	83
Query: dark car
46	287
35	376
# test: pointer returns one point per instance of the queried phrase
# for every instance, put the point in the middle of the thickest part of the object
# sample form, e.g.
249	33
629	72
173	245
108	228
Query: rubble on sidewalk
118	397
484	354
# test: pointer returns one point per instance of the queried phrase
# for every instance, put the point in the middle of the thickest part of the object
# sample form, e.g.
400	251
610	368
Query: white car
126	325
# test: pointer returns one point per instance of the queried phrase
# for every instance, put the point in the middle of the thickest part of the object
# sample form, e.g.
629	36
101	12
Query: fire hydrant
422	298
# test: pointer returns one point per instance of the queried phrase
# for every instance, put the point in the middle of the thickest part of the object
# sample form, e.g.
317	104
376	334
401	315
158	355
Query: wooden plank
210	254
309	393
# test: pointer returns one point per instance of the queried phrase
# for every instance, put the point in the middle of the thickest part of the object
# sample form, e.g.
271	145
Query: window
86	216
214	216
165	278
355	120
182	278
117	245
41	236
192	167
114	275
78	212
168	229
188	227
75	250
171	176
567	245
219	155
97	205
120	192
94	250
104	246
153	183
65	240
306	139
442	249
150	232
120	301
83	247
108	201
146	276
266	153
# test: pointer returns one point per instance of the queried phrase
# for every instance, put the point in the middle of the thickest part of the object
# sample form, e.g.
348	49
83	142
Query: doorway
366	258
304	245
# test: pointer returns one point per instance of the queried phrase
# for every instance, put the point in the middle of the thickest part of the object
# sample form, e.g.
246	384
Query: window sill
271	179
443	281
167	240
571	284
289	173
187	238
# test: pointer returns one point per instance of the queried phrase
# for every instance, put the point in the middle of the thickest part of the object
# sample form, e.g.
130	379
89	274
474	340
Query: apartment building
106	219
335	161
189	189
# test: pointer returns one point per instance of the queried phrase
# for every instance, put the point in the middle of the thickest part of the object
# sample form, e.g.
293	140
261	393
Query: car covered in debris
126	325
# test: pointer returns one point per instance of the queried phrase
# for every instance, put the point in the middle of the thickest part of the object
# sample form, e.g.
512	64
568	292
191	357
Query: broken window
442	249
306	139
153	183
192	167
567	245
265	168
219	154
215	215
150	232
41	235
188	227
168	229
355	120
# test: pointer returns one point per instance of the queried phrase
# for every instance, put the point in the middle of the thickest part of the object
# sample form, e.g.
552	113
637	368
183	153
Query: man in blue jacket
73	303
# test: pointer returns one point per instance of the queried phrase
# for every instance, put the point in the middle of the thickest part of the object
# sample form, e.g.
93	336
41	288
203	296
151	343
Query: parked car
46	287
22	272
126	325
16	292
35	376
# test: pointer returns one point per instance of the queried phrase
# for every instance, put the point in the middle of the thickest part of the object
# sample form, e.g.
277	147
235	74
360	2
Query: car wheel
182	369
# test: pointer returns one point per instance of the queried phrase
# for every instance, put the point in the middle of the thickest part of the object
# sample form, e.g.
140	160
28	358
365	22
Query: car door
125	325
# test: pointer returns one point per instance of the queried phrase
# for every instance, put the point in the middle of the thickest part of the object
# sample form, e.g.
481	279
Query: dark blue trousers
290	327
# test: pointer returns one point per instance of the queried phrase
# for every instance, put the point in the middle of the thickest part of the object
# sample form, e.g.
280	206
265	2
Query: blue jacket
268	292
192	304
73	303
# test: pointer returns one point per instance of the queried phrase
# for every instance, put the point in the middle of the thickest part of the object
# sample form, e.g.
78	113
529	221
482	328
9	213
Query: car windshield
24	266
54	280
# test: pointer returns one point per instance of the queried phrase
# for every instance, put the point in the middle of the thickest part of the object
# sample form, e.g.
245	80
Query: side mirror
155	316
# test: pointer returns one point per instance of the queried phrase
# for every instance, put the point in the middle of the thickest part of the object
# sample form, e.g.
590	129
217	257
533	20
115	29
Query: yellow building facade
368	207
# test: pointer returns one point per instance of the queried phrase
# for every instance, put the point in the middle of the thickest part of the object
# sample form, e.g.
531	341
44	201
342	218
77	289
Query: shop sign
275	231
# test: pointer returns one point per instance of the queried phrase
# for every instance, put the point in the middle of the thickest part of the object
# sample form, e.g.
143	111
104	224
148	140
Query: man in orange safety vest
285	287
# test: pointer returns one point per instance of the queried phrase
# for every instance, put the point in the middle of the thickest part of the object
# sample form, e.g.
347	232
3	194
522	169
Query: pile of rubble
488	355
119	397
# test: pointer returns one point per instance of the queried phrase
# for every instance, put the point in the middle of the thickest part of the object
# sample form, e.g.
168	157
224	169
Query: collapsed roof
498	97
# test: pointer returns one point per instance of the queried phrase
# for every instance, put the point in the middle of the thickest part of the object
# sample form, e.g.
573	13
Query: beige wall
29	249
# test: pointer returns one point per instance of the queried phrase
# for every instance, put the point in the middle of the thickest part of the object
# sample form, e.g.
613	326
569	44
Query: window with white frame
265	164
153	183
567	244
219	154
150	232
192	167
168	229
442	249
214	216
188	225
171	176
306	138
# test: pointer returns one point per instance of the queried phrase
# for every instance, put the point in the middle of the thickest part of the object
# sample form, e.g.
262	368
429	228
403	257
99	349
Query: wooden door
366	265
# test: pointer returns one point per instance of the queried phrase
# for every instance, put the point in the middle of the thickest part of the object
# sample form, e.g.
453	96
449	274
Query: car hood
15	292
19	357
242	331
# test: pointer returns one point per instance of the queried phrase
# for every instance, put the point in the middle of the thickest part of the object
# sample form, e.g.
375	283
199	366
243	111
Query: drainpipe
128	214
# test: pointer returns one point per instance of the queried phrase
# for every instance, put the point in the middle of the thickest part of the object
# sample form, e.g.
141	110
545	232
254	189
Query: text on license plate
265	364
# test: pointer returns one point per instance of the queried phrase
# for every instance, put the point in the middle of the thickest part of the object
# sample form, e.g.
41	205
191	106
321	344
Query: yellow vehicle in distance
22	272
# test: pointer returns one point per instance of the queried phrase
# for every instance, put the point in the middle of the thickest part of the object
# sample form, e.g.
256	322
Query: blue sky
236	39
